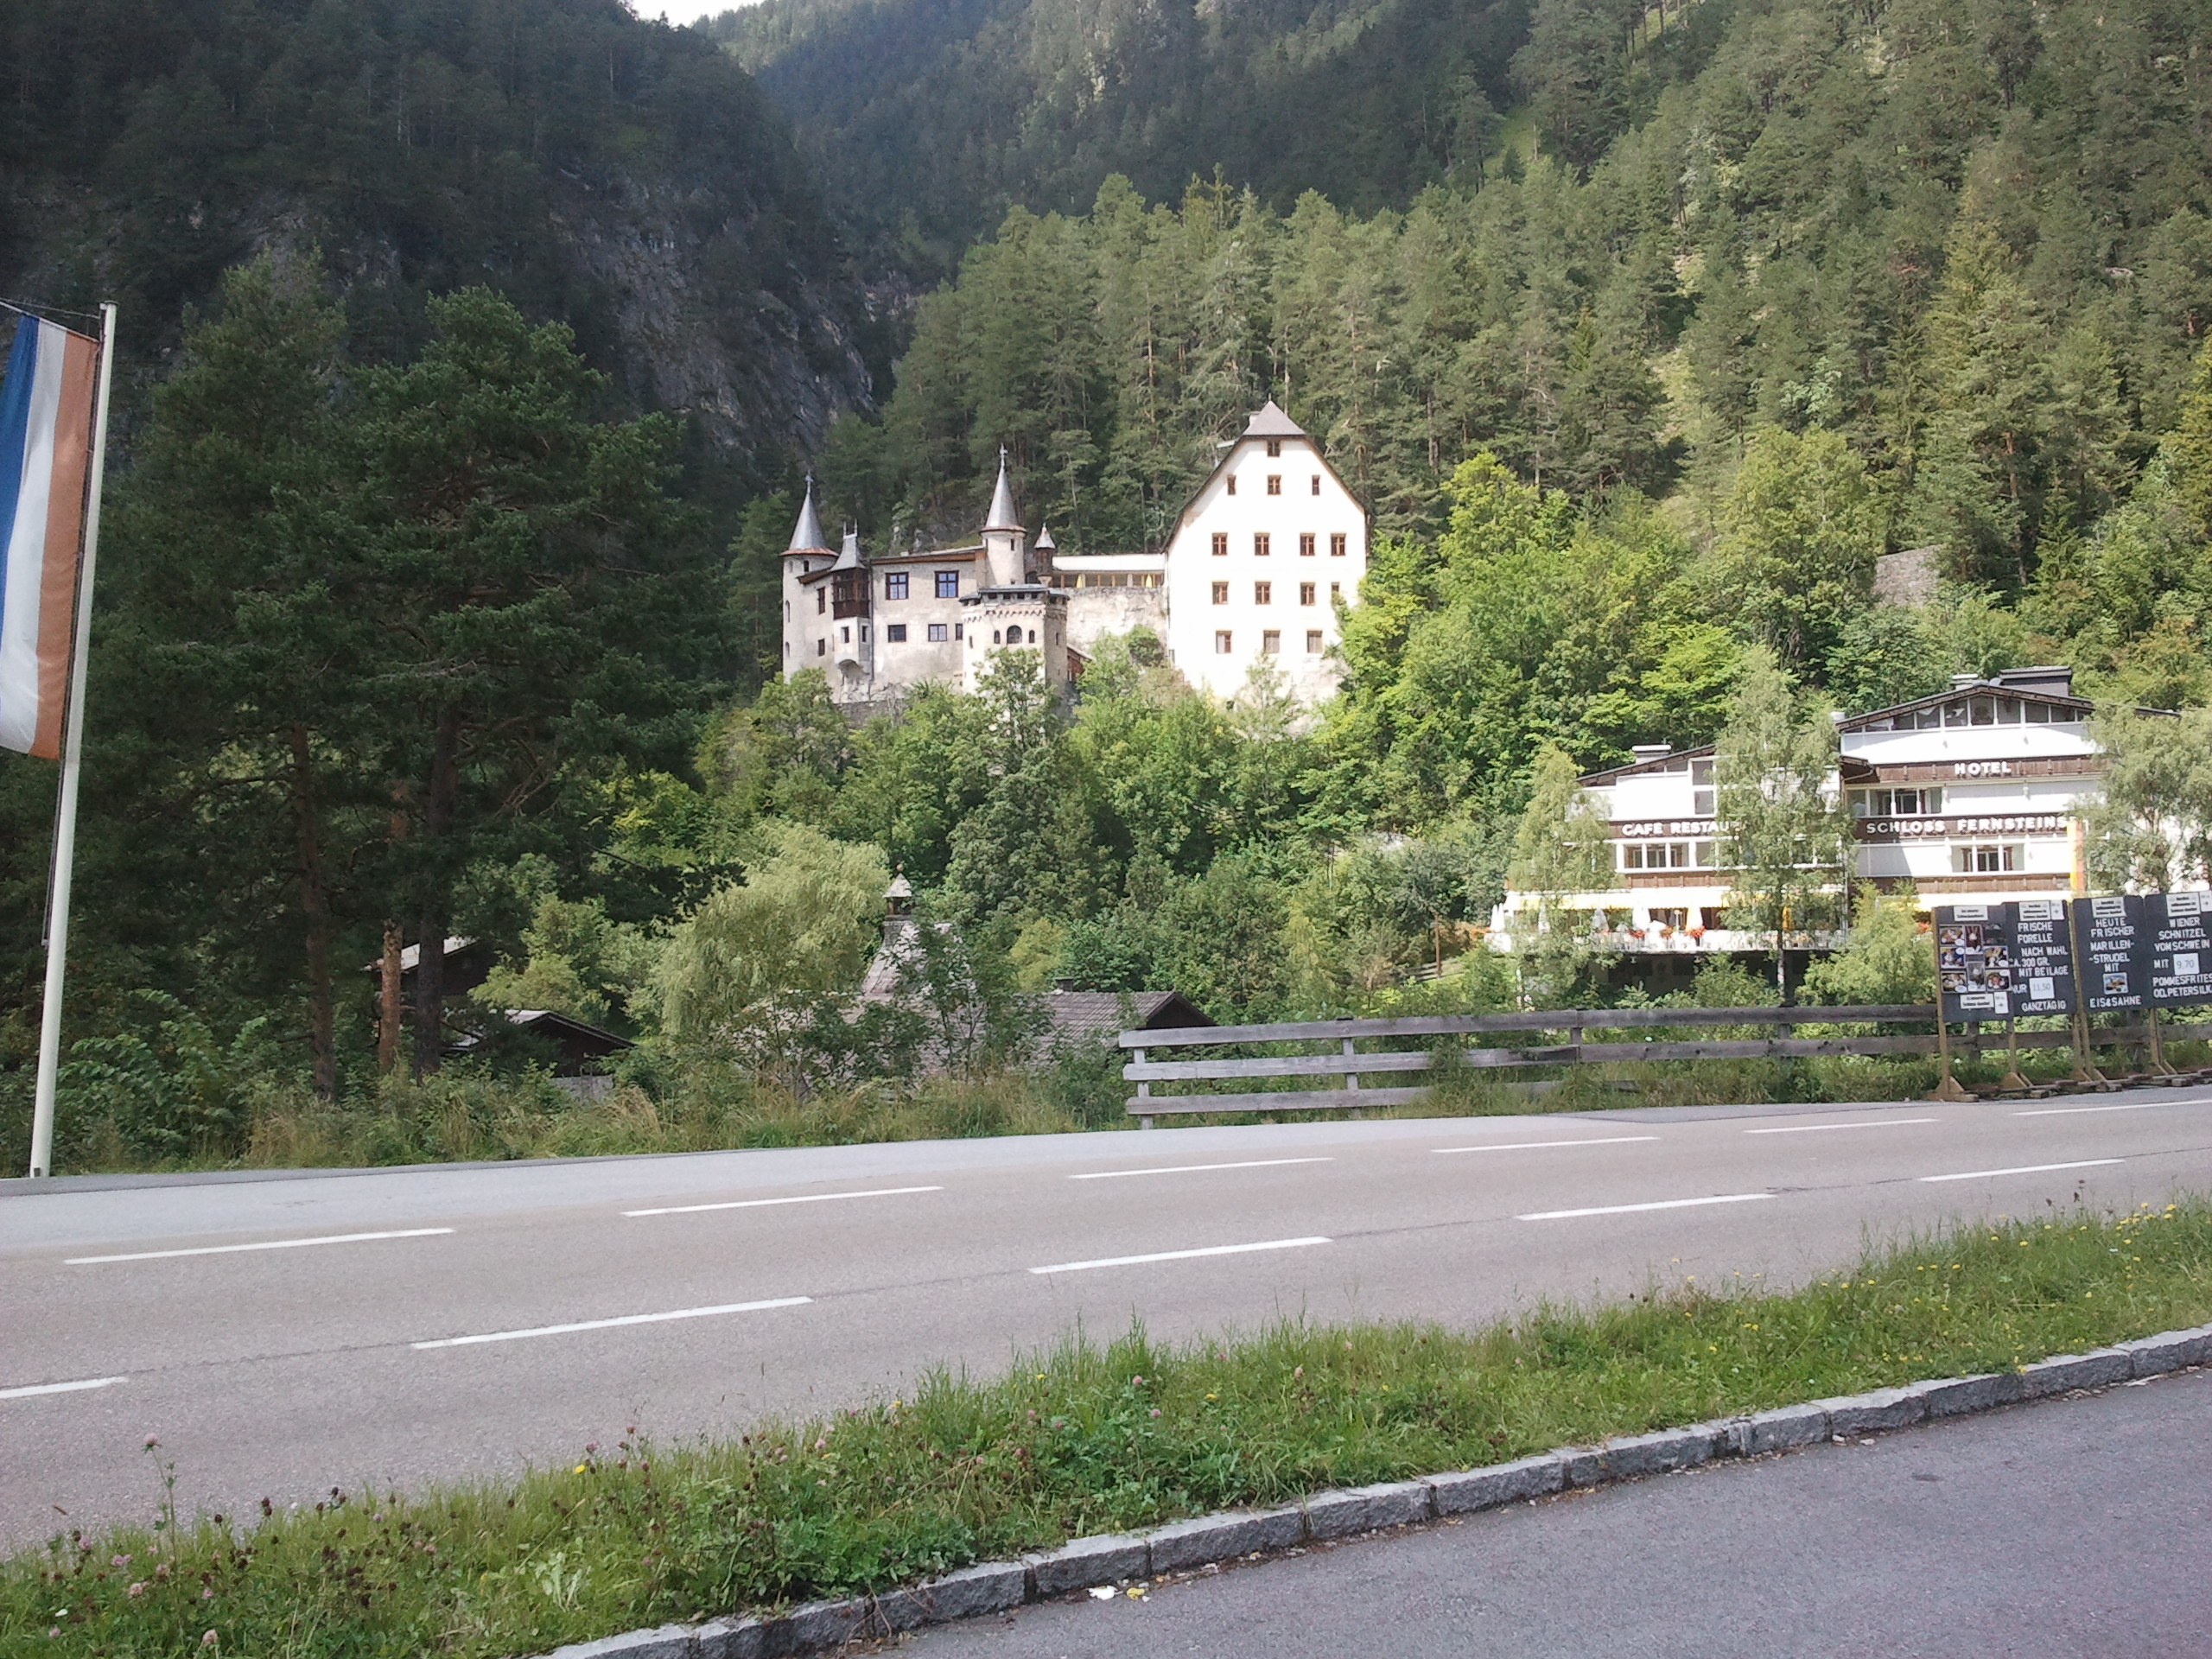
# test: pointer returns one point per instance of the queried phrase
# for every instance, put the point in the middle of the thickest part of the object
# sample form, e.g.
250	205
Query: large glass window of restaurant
1703	797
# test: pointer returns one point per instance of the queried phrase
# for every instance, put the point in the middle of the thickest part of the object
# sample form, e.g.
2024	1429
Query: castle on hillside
1262	558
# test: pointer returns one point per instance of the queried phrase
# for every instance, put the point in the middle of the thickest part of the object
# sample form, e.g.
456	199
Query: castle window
1317	484
1305	547
1263	593
995	638
1221	642
821	601
1275	448
1313	642
1220	545
1014	636
948	584
845	634
895	585
1335	588
1221	593
938	634
1271	642
1305	593
1337	546
894	633
863	633
956	628
1259	543
787	610
1275	483
822	647
1232	483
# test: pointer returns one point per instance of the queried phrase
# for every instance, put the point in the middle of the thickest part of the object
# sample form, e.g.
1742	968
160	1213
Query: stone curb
1180	1545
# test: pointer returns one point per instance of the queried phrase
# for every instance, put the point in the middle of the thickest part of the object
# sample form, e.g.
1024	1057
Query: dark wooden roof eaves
1085	1013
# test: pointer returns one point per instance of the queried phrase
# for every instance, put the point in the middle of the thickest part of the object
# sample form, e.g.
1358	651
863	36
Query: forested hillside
1645	333
621	176
927	120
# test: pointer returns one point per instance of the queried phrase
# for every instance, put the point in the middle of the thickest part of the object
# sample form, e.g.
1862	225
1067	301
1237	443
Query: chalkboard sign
2179	947
2042	958
1973	961
2115	937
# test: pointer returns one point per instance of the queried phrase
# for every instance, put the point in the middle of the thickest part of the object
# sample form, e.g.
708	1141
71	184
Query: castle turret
1002	535
806	554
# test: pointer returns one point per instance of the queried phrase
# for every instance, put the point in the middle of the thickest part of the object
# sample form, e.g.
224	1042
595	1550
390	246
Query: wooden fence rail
1350	1062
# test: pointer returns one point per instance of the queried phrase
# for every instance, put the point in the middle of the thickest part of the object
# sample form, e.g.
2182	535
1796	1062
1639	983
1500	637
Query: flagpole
72	745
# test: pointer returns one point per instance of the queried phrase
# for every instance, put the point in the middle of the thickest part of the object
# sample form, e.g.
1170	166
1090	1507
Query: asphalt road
281	1335
2077	1528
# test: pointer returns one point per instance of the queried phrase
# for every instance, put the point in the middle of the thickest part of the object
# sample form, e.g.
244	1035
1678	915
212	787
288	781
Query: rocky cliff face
620	175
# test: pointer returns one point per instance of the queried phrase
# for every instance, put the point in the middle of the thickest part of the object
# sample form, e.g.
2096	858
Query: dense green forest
423	629
927	120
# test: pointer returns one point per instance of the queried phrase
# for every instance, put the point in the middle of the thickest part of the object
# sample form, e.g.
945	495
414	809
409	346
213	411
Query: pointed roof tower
1045	542
806	535
848	557
1003	516
1270	421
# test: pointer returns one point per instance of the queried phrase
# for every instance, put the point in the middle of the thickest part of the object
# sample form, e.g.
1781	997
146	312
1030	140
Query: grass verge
1086	1439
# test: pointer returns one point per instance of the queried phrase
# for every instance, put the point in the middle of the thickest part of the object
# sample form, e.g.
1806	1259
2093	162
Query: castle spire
1002	502
806	535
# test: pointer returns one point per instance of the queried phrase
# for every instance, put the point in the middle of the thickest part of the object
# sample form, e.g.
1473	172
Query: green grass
1086	1439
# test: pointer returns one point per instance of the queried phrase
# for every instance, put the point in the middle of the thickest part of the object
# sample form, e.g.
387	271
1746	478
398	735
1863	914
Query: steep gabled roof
1253	429
1270	421
850	558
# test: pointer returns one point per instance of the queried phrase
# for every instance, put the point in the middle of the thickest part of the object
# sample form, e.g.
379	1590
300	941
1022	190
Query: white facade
1264	555
1972	796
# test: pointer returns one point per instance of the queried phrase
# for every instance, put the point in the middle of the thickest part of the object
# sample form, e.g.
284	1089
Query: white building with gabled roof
1263	559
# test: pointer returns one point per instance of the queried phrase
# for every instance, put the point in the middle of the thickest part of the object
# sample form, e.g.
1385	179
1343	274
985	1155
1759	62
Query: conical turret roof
806	535
1003	516
848	557
1045	542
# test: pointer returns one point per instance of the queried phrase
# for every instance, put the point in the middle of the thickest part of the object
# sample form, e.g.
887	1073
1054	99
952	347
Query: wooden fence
1562	1030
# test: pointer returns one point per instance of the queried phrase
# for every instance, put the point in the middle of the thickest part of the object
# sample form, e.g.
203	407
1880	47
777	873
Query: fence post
2158	1048
1144	1090
1351	1078
2013	1077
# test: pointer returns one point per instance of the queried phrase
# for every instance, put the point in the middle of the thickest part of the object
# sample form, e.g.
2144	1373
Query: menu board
2178	930
2042	958
1973	961
2115	937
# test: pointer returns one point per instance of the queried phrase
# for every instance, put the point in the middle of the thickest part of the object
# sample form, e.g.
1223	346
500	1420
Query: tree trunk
430	931
314	907
388	1003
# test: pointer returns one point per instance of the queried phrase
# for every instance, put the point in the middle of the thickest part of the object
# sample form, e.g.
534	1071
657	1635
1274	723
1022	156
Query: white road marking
1192	1169
762	1204
1181	1255
1531	1146
57	1388
1873	1123
1628	1209
609	1325
2131	1106
2022	1169
267	1244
